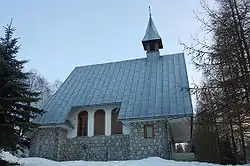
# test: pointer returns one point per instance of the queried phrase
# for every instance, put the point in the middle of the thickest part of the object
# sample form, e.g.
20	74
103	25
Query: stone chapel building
123	110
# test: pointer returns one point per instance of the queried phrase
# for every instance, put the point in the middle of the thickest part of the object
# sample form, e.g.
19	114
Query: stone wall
51	143
97	148
46	142
141	147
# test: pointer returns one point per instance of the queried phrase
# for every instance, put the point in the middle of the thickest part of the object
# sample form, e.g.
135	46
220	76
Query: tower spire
152	40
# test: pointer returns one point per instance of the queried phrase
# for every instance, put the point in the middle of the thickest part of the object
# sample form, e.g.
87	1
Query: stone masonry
97	148
141	147
52	143
47	143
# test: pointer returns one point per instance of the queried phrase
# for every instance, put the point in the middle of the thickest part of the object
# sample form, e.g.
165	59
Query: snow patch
151	161
8	157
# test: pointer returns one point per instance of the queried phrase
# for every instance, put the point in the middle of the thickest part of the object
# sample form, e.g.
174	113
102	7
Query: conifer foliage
15	95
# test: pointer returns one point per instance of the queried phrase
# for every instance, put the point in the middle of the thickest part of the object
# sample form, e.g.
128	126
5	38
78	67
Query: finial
149	9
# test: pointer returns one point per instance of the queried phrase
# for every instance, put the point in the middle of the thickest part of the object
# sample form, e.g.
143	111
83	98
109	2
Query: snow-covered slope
152	161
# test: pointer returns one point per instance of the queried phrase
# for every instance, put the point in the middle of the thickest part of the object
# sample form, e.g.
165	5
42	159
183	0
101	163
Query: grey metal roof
151	32
148	87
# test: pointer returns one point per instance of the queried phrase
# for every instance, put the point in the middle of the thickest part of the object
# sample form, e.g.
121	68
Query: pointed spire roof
151	32
152	40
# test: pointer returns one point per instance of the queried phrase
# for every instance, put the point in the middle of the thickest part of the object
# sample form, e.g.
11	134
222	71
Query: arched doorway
116	125
99	122
82	123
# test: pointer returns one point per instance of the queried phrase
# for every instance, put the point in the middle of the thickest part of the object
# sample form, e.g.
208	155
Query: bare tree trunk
233	139
242	139
217	144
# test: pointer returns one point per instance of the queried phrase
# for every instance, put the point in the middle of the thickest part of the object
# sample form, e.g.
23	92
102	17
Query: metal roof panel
146	87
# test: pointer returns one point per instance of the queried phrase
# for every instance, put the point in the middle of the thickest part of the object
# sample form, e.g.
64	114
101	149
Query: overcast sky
58	35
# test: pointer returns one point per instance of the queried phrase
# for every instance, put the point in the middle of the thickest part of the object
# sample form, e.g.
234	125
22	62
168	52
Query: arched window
82	123
116	125
99	122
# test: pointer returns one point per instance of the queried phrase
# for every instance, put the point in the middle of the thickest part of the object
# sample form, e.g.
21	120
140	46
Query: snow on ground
152	161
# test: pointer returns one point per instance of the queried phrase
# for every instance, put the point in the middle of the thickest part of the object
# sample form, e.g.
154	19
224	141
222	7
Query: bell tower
152	41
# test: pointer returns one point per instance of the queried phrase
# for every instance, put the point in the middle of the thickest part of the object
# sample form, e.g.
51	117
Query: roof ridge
111	62
172	54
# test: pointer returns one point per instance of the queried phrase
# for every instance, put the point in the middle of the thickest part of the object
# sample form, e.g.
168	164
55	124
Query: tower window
152	47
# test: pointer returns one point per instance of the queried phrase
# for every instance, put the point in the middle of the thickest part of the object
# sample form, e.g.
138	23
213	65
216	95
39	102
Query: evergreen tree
15	96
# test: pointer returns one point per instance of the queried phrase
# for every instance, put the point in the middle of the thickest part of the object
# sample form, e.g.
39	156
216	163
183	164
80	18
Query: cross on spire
149	10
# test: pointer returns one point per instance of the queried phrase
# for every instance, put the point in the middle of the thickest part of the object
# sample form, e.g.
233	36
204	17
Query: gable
143	87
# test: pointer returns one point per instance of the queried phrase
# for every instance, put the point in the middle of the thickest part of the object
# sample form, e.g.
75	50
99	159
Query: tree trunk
233	140
242	139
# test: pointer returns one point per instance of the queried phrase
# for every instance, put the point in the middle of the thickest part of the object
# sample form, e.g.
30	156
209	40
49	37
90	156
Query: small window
149	131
